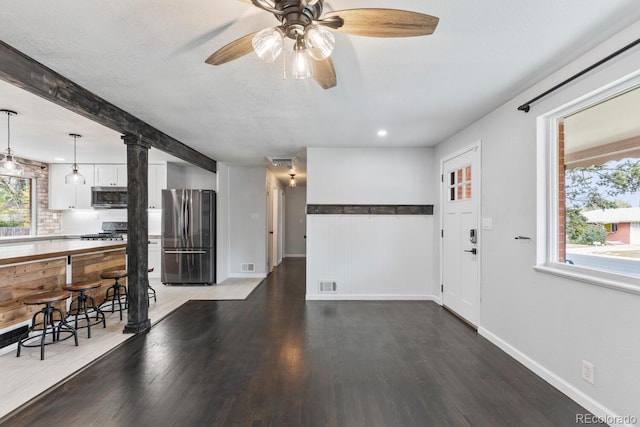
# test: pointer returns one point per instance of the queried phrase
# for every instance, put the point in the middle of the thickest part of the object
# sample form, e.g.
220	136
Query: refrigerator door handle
187	216
185	252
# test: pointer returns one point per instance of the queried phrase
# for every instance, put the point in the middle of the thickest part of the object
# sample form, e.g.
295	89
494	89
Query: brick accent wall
562	233
46	223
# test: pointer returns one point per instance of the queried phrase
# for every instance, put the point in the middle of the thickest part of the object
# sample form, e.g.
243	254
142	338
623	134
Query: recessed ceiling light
58	159
382	133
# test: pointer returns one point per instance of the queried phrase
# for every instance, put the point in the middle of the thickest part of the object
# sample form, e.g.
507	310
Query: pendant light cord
74	151
8	133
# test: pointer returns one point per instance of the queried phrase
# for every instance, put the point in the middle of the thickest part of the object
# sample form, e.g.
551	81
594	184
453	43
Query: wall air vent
247	267
12	336
282	161
328	286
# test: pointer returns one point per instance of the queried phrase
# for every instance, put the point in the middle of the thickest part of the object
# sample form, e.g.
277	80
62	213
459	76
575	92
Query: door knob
473	251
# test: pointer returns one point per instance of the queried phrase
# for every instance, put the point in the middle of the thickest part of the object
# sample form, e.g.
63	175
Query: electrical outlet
588	372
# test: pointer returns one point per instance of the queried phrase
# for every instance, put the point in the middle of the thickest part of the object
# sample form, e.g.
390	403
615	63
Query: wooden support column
137	235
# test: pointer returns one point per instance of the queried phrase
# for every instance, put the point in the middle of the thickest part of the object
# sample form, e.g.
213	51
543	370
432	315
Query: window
592	187
16	206
460	184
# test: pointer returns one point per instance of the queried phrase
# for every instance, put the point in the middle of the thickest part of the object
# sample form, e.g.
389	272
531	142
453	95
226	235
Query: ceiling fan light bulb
319	41
300	64
267	44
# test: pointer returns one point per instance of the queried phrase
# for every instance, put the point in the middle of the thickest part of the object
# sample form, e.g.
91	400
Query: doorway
460	234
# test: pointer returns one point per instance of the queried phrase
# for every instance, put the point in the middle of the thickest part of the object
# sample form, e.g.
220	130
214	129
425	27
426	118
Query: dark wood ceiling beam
25	72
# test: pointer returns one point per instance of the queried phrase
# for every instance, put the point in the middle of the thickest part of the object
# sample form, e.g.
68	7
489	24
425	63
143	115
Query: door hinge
441	178
442	288
441	233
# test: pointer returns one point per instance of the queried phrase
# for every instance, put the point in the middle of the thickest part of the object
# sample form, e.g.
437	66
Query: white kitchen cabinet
157	183
110	175
154	257
64	196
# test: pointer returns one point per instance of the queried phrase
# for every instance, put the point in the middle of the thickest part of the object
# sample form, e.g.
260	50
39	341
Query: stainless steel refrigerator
188	237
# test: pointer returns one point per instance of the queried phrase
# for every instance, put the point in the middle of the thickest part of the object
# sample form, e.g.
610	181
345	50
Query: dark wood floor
277	360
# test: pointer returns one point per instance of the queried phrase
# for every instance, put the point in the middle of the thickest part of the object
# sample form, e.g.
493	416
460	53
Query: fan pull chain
284	65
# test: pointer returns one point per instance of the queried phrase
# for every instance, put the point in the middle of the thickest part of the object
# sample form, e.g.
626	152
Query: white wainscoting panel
370	256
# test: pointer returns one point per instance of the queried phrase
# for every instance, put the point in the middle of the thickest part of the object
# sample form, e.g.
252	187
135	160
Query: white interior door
460	239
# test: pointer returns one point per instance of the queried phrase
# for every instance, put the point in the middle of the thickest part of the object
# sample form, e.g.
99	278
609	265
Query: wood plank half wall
370	209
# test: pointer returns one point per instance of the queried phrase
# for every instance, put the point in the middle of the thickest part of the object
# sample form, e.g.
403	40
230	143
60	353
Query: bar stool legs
48	325
152	292
82	309
116	292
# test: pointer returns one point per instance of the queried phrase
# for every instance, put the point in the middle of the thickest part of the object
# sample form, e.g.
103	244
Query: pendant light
292	181
9	165
74	177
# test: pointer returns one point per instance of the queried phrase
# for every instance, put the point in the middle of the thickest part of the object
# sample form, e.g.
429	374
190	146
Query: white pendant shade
268	43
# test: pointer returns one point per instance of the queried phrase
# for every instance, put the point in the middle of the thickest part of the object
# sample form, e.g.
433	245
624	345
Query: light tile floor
25	377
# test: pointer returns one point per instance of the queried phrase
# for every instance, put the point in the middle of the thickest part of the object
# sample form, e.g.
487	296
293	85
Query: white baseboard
556	381
372	297
247	275
295	255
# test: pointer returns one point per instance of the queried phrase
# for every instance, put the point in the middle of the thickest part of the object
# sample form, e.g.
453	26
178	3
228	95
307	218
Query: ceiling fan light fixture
300	62
267	44
319	42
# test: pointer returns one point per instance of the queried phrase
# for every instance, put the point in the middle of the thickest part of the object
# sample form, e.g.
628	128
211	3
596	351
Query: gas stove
110	231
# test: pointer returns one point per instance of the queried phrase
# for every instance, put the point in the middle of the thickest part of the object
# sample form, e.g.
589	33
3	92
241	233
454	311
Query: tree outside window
15	206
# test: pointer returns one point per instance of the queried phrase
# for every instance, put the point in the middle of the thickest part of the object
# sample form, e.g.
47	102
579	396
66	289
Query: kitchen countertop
12	240
32	251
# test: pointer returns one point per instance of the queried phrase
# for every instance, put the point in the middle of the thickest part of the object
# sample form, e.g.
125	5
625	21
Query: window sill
592	277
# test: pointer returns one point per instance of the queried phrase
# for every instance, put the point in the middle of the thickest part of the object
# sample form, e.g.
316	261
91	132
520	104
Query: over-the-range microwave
109	197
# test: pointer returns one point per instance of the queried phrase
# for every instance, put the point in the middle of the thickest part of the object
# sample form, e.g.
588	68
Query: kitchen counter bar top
33	251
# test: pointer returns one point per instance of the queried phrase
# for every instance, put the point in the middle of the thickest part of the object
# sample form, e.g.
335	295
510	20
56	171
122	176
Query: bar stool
115	292
152	292
82	308
48	322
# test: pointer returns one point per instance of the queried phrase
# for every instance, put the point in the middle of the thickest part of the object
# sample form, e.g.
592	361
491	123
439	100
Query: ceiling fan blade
233	50
381	22
324	73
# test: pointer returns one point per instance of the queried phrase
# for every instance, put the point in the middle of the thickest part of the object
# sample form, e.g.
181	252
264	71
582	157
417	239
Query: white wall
247	220
295	221
222	223
189	176
370	176
370	256
550	323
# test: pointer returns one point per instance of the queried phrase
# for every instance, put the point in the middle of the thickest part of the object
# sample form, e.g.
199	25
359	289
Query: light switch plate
487	223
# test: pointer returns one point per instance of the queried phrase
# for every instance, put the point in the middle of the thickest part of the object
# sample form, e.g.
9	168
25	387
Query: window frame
547	235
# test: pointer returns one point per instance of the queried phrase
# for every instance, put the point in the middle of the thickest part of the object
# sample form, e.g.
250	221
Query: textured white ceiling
147	57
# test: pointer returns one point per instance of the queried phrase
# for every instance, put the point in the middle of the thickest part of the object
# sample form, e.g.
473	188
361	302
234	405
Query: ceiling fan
302	21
